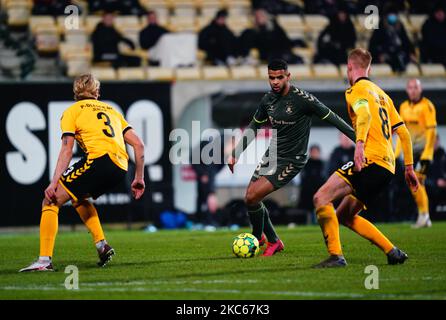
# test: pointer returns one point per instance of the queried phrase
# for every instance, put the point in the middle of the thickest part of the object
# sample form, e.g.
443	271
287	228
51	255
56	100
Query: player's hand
411	178
423	166
359	156
50	193
138	187
231	163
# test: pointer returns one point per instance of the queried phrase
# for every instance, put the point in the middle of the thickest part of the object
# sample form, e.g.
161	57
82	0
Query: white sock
44	259
100	244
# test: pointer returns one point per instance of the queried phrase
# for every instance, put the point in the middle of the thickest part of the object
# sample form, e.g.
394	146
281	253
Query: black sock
255	214
268	227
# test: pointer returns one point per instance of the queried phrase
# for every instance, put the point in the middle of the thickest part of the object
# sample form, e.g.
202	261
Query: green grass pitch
200	265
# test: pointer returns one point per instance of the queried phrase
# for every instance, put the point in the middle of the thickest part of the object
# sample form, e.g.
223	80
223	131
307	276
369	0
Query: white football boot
423	221
39	265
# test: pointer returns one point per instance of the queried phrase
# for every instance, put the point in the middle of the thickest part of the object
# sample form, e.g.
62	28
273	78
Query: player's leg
49	223
422	202
335	188
90	218
256	191
348	216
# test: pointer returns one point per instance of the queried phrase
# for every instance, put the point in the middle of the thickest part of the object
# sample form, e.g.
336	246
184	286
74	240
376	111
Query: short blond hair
360	57
86	86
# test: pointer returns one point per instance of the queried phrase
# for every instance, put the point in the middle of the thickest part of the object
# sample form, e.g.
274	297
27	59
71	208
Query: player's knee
318	200
251	198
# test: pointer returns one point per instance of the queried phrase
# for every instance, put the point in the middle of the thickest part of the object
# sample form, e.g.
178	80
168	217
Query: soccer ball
245	245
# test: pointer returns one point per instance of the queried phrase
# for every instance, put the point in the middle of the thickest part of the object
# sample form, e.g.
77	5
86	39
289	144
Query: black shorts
91	177
367	183
279	174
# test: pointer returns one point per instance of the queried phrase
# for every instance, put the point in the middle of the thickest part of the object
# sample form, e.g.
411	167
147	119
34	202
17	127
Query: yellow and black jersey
384	119
419	118
98	128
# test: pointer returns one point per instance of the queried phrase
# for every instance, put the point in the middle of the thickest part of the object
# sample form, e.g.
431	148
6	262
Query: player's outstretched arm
406	145
65	155
325	113
138	185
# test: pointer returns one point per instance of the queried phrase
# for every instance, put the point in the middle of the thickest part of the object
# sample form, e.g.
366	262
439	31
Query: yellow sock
326	216
368	231
89	216
421	199
48	229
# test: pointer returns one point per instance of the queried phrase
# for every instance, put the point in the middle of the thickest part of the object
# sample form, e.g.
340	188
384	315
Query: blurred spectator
269	38
206	170
436	178
422	6
149	36
390	43
50	7
433	44
341	154
125	7
277	6
312	178
218	41
324	7
105	39
336	39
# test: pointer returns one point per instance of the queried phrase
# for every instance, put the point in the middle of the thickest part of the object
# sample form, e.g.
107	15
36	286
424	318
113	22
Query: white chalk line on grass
304	294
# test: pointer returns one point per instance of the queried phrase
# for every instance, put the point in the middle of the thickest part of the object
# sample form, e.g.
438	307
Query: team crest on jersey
289	108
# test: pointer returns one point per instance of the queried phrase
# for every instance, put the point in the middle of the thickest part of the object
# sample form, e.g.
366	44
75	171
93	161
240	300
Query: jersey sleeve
68	122
124	124
356	98
261	116
430	116
394	117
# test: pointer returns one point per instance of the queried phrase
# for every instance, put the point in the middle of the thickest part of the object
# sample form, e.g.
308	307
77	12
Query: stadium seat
127	21
300	71
104	73
381	70
432	70
131	74
237	7
208	8
306	53
186	8
215	73
190	73
91	22
417	21
78	64
18	13
203	21
47	39
293	25
41	21
238	23
316	23
60	22
326	71
412	70
68	50
243	72
160	74
182	24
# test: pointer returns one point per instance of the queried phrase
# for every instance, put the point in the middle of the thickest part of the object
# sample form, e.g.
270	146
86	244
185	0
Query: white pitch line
305	294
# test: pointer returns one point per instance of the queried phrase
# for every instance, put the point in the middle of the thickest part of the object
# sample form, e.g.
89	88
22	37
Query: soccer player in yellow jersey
358	182
418	113
101	132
